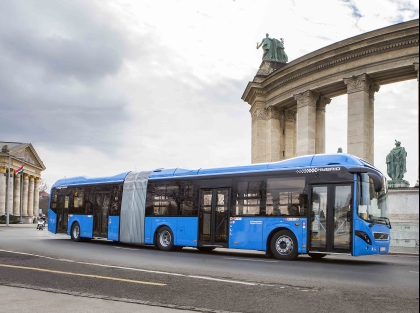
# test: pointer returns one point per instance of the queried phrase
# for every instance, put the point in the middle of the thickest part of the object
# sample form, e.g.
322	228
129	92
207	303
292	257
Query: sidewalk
26	300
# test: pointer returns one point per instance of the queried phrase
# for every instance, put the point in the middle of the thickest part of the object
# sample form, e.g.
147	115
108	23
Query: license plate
382	249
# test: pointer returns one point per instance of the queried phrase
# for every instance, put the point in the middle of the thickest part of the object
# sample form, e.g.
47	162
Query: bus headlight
364	236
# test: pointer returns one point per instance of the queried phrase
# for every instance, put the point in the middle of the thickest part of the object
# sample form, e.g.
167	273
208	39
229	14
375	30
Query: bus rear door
213	217
330	221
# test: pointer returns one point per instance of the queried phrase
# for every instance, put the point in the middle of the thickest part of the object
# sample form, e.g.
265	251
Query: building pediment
21	153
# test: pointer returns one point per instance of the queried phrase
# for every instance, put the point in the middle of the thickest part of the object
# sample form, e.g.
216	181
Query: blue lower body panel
85	222
185	229
52	221
252	233
114	228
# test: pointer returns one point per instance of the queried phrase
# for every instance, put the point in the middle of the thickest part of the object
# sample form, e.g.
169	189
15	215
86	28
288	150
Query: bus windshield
373	206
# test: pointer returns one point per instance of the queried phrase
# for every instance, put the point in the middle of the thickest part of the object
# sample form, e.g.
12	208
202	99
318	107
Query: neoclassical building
288	101
19	192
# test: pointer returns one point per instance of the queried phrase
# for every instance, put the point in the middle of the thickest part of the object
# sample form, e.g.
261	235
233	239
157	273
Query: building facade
19	192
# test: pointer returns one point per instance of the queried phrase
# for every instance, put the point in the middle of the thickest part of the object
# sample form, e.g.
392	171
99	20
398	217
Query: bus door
62	213
213	217
100	214
330	221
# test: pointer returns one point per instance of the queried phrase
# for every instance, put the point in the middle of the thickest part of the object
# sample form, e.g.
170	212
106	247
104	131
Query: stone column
373	88
16	195
306	126
258	136
25	195
416	67
358	120
3	186
10	194
274	134
289	134
36	195
320	124
31	196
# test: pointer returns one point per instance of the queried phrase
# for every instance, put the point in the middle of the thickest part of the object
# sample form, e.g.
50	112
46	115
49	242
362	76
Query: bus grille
381	236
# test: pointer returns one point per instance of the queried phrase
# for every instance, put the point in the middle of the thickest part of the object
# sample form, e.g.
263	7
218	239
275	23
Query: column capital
31	177
3	169
37	179
306	98
258	112
322	102
373	88
273	112
290	115
25	176
358	83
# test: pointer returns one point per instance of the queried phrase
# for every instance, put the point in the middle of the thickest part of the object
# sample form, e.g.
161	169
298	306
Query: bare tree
42	186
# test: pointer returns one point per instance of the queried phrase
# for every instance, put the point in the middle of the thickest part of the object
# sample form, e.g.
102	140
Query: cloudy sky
102	87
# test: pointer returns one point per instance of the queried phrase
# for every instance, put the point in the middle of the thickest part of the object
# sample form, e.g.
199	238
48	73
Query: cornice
274	81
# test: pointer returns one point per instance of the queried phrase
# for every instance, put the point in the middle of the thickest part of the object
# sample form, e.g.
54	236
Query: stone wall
403	204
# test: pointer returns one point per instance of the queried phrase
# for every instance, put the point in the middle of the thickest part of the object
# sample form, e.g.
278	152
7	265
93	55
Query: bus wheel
75	232
165	239
284	245
316	255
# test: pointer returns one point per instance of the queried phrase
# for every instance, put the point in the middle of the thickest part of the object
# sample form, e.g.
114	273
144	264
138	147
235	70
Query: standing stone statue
396	163
273	49
340	150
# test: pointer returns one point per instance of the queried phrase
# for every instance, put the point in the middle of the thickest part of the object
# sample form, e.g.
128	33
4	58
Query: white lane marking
413	272
252	260
135	269
224	280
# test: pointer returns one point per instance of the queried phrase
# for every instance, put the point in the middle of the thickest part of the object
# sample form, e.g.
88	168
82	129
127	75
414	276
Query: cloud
58	60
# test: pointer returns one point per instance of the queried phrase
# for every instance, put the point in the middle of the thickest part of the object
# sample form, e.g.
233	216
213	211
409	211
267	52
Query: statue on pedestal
273	49
396	165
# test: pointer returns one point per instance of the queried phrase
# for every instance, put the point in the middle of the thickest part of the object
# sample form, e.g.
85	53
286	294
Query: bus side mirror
377	181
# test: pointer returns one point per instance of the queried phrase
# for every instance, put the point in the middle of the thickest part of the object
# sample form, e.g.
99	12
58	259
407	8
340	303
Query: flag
19	170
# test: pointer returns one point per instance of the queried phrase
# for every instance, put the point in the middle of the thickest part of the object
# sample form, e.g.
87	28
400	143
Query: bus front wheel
75	232
284	245
165	239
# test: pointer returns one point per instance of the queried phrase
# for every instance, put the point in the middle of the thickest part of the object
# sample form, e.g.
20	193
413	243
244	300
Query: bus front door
100	215
213	217
330	219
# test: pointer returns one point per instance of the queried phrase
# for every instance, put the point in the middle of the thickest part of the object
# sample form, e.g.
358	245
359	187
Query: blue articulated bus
315	204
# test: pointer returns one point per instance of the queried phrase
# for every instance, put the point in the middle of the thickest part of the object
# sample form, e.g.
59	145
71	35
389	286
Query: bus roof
317	160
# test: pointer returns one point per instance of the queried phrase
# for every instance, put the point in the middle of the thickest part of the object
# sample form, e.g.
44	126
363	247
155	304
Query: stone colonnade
279	134
25	192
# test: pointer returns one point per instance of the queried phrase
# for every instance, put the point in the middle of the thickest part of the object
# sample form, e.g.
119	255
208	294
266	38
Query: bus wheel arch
164	238
75	232
282	244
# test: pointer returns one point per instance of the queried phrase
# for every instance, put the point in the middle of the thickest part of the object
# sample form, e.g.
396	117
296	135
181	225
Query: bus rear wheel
75	232
165	239
284	245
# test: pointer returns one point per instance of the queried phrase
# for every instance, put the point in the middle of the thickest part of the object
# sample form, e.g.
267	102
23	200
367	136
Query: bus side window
284	196
173	198
249	198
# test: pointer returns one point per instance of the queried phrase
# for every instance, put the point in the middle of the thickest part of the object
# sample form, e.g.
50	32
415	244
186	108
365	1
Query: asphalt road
120	275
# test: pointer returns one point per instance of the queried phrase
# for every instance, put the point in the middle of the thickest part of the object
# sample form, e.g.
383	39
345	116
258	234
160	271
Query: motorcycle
41	225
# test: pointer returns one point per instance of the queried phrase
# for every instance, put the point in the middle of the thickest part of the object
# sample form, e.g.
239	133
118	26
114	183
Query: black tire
205	249
316	255
284	245
165	239
75	232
